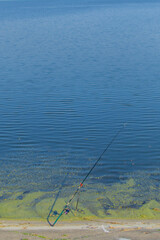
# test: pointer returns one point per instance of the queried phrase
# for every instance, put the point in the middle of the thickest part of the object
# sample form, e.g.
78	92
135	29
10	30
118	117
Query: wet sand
91	230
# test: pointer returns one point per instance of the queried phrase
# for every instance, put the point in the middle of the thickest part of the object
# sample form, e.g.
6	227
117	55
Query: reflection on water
70	76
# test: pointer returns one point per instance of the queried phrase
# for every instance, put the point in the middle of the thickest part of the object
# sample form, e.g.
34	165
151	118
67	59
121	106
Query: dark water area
71	74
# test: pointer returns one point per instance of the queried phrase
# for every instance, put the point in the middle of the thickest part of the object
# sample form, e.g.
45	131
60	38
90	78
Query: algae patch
132	199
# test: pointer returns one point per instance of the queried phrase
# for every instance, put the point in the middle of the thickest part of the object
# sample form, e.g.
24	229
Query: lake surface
71	74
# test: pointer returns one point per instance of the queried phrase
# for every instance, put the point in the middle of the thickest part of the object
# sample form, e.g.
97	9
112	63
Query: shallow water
71	74
132	200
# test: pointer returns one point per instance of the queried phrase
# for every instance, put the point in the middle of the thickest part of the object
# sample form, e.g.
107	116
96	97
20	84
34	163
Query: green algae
132	199
20	208
147	211
34	235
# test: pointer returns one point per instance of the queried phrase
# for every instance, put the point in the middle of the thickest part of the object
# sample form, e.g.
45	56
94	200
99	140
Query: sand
90	230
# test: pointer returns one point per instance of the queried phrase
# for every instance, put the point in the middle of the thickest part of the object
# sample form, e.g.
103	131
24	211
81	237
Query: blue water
71	74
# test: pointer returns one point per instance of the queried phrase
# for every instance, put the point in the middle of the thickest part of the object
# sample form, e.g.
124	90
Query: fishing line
51	213
67	208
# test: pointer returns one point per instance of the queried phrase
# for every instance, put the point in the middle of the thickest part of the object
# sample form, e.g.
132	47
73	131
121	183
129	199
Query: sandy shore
90	230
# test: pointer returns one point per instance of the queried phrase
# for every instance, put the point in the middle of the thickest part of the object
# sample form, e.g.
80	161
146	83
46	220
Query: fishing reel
55	213
67	210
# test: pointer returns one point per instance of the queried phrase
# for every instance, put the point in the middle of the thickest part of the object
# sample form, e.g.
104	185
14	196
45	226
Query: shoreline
101	229
110	223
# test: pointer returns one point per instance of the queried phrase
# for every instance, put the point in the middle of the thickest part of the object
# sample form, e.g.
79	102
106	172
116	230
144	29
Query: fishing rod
56	198
66	208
